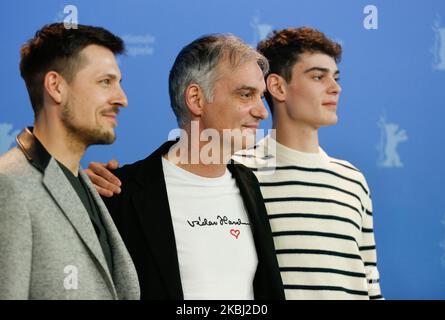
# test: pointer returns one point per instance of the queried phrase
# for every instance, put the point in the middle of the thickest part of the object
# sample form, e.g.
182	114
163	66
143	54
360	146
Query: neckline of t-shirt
189	176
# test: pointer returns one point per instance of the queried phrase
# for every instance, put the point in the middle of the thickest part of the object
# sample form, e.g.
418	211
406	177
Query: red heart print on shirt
235	233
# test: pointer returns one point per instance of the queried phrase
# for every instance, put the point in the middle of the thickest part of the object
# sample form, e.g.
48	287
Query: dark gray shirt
93	211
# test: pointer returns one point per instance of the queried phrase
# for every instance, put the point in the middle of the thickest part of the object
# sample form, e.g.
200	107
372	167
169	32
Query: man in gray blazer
57	240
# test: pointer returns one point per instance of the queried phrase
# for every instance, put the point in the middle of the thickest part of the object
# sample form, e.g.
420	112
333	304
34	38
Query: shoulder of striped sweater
343	166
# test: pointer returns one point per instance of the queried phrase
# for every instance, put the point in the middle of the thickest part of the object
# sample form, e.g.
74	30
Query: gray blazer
48	246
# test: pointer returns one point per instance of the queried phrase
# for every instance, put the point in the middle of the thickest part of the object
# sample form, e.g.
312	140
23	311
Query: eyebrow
113	76
249	88
325	70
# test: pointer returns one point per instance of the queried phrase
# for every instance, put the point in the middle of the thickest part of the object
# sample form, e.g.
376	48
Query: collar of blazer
34	151
62	192
148	175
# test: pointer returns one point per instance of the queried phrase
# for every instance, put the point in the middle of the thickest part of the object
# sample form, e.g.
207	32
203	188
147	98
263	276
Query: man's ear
55	86
276	87
195	100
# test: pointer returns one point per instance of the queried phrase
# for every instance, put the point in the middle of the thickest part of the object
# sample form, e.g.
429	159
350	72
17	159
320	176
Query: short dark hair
197	62
283	47
56	48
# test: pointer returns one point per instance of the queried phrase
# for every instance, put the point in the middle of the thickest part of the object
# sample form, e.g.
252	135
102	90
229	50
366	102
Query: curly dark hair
56	48
283	48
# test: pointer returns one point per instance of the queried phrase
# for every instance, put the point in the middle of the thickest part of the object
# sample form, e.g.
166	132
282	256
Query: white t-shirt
216	251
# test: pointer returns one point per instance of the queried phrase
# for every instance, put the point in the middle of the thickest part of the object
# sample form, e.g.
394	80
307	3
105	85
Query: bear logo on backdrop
7	137
260	30
438	49
390	138
442	244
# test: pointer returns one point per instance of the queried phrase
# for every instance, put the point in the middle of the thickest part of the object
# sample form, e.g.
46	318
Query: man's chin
99	137
330	121
106	138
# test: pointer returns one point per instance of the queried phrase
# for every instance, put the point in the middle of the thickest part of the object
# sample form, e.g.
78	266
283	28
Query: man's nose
260	111
120	98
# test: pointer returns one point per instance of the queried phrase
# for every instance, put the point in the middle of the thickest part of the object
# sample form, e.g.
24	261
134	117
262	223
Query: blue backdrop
391	109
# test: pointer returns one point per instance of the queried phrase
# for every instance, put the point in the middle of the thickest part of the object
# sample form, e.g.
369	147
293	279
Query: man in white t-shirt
193	221
320	208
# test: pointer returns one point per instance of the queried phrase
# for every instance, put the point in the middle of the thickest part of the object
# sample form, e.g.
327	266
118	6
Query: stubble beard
84	135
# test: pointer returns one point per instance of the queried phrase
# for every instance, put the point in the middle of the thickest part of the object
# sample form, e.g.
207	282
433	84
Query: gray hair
197	62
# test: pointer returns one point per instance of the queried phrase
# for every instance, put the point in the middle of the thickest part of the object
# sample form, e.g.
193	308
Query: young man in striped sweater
320	208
